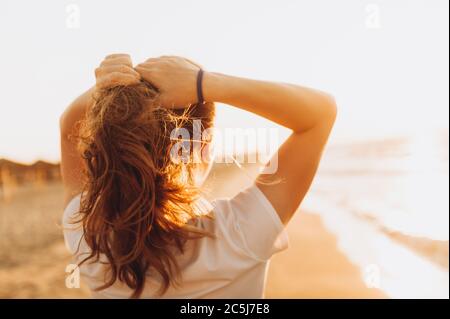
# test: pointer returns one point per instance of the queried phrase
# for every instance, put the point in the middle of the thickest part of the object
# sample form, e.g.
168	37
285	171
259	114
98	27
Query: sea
387	202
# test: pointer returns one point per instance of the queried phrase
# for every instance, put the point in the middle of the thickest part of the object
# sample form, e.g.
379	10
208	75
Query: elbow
330	108
76	111
328	114
62	120
67	122
63	125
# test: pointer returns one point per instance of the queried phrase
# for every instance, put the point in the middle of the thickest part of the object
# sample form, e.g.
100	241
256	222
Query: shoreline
313	266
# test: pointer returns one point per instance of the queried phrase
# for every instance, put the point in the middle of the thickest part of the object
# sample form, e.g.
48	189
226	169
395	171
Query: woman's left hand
116	70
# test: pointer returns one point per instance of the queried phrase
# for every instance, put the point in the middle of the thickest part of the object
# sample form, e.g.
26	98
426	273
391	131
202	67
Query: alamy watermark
73	277
372	276
230	145
72	16
373	16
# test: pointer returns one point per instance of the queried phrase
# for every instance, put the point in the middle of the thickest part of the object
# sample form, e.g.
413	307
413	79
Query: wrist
214	86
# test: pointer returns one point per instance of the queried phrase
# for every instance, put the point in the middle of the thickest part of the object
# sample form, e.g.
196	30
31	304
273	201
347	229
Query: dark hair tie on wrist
199	87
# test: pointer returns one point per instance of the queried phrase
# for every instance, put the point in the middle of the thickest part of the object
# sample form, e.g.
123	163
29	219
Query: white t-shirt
234	264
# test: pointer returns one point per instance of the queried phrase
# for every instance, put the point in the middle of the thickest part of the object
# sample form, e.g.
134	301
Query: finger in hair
118	55
117	60
116	79
121	68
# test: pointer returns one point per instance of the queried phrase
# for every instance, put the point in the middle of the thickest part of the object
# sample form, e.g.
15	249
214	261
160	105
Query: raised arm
310	114
71	162
115	70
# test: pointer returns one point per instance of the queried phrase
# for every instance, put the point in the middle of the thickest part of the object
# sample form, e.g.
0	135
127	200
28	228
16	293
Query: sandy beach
312	267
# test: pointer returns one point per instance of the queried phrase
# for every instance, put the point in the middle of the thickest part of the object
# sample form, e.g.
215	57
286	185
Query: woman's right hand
175	77
116	70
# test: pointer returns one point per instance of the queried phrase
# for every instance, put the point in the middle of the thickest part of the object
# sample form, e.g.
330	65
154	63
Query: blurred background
376	222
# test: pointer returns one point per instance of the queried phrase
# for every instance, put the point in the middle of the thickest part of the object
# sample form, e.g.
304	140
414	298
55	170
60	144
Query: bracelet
199	87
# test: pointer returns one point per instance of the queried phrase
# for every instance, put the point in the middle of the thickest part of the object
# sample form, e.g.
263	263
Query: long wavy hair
137	200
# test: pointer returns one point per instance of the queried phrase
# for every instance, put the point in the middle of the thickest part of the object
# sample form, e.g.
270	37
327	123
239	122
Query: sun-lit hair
136	200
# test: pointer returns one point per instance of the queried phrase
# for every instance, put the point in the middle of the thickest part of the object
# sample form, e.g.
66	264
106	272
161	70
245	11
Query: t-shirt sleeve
251	224
72	230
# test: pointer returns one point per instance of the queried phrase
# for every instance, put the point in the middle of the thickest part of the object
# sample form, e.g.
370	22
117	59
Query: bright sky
386	62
